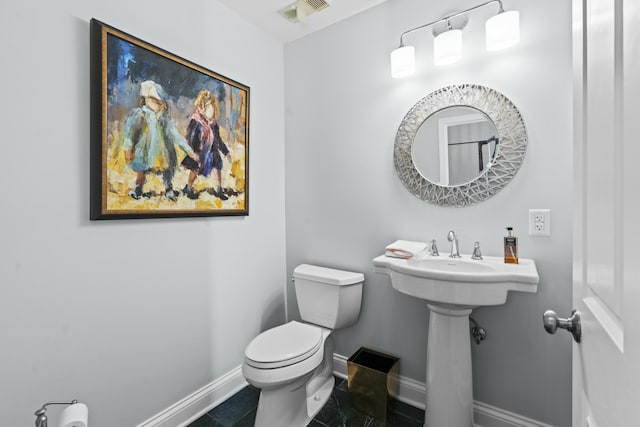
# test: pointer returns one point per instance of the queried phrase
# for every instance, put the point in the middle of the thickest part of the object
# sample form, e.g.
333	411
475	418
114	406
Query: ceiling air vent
317	5
298	11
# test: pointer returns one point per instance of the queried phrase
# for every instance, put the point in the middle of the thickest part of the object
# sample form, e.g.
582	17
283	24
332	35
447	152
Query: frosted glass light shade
503	30
447	47
403	62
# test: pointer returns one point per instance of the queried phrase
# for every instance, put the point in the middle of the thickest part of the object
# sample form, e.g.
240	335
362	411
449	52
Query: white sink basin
462	282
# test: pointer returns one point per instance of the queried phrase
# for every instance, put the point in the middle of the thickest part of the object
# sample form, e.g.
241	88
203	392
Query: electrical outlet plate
539	222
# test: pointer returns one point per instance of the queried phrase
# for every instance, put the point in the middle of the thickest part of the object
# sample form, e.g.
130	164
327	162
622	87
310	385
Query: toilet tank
328	297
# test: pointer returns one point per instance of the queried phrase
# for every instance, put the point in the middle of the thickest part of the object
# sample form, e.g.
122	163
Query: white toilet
292	364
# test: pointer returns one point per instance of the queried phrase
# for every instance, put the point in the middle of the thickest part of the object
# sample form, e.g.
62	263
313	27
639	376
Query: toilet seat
283	345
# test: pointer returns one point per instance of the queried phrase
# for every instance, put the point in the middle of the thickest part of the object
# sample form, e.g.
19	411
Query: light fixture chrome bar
501	31
447	18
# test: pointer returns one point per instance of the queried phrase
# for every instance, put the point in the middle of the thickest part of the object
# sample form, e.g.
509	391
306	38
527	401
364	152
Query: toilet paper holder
41	417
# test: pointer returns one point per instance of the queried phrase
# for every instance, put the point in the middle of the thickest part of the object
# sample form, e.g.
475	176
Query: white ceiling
265	15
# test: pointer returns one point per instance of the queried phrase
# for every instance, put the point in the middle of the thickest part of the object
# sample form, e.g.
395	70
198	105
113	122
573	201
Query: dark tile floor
240	411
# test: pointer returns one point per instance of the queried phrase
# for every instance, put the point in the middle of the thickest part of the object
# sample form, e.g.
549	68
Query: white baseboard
414	393
200	402
410	392
489	416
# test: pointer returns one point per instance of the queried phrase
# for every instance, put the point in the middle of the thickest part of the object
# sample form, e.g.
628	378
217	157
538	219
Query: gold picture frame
169	138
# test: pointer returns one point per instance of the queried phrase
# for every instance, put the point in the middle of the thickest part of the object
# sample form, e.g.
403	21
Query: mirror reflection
455	145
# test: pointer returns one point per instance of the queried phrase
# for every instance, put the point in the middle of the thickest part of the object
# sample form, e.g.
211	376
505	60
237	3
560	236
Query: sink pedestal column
449	381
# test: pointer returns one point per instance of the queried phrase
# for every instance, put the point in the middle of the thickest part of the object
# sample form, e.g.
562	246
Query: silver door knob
552	322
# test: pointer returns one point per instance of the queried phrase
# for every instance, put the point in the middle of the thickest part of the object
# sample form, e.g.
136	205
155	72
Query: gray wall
344	201
127	316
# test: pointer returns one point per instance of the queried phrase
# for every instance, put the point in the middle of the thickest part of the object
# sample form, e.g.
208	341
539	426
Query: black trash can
373	382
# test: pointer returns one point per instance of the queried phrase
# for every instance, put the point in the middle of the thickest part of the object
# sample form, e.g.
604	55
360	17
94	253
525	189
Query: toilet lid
283	345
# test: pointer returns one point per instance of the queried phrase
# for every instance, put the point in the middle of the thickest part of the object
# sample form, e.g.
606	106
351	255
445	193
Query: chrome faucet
477	254
434	248
455	253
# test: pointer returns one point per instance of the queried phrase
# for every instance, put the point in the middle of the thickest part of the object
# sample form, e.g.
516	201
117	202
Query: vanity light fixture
502	31
447	46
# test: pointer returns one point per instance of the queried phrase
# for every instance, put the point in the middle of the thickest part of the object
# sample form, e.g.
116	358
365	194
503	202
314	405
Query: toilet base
316	401
291	406
283	406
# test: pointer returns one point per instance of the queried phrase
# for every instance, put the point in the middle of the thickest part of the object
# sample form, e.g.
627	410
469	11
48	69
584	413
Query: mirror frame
512	145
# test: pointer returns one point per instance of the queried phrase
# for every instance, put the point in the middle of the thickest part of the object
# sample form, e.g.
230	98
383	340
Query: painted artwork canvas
169	138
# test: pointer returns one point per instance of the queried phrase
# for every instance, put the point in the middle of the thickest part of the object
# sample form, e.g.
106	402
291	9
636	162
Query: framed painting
169	138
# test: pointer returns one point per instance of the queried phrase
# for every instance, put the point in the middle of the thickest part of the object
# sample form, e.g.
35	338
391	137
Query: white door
606	266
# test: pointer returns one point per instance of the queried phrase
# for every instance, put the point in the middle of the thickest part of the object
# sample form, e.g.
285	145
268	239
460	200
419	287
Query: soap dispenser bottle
510	247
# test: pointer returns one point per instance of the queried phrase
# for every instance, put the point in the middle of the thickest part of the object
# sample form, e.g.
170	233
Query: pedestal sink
452	287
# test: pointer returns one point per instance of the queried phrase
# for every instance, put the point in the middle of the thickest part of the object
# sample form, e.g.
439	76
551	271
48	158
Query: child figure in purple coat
203	136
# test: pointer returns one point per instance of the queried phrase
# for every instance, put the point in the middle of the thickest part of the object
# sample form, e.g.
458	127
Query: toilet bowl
284	379
292	364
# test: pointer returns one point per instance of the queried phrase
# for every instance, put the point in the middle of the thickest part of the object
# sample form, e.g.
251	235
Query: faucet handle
434	248
477	254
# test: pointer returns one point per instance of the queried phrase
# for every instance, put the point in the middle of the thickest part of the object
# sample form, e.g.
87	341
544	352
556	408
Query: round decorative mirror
460	145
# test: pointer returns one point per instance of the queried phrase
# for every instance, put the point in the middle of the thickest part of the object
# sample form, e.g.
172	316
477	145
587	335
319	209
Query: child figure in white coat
150	140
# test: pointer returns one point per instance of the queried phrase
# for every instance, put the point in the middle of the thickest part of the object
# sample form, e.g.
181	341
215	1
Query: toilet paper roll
75	416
